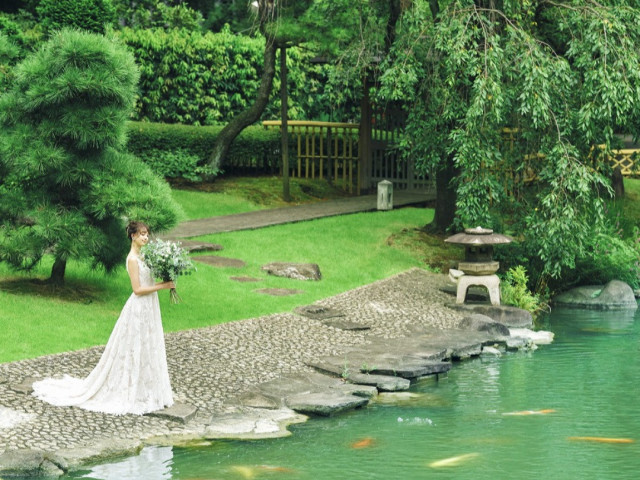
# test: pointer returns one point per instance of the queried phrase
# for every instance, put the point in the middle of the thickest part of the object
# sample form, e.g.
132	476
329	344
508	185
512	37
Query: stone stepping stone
318	312
345	324
193	246
279	292
251	424
325	404
245	279
222	262
25	387
296	271
178	412
512	317
384	383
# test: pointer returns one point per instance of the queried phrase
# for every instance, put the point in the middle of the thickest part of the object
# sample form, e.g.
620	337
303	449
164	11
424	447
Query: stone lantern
478	267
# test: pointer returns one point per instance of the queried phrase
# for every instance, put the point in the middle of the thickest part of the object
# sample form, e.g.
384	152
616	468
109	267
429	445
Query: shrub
91	15
610	258
514	291
186	148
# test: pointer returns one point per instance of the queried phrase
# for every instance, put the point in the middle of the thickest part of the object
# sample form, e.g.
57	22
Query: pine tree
67	184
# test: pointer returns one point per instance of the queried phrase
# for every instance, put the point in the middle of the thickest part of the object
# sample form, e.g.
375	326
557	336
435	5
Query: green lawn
351	250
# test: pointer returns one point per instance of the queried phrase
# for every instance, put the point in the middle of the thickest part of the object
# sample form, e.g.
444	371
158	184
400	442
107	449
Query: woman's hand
167	285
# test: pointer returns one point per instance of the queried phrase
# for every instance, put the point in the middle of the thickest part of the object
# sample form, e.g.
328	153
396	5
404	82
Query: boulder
615	295
296	271
482	323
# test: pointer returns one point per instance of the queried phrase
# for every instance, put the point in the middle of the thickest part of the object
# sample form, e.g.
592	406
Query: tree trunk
57	271
446	197
252	114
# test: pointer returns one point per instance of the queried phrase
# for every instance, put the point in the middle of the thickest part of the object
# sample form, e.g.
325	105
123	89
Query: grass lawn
36	320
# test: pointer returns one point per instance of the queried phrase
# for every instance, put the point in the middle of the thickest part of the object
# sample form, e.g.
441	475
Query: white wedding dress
132	374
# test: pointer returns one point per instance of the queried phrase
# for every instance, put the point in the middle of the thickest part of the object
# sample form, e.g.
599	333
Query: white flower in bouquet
167	260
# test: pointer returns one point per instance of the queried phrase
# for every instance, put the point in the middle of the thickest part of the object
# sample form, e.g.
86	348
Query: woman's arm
134	276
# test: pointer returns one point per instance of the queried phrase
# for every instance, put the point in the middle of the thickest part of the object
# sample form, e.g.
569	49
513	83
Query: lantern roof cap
479	236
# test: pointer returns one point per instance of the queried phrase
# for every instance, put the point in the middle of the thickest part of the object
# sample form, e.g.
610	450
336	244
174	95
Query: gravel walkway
211	365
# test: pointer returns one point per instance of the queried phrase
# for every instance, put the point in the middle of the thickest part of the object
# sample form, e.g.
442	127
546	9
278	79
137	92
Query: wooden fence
324	150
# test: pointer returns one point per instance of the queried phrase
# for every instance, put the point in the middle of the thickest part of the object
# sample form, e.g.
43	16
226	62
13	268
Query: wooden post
285	126
364	140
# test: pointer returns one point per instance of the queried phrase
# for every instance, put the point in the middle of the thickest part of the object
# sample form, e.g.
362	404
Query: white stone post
385	195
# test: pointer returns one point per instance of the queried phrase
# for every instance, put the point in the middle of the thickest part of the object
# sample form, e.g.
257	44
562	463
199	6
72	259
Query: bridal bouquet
167	260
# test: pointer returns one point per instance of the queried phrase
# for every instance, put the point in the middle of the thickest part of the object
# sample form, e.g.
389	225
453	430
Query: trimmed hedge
181	151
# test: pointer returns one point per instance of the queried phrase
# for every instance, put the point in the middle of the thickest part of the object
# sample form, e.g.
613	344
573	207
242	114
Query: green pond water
585	384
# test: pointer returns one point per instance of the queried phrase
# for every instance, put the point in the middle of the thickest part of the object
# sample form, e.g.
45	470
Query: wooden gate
387	128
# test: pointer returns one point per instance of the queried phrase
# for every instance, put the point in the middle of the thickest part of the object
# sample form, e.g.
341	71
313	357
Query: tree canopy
66	185
512	102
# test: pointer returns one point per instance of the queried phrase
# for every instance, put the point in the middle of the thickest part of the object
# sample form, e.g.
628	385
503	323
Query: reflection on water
568	410
153	463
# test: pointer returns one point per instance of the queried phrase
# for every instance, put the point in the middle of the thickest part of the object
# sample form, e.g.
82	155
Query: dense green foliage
206	79
66	185
565	75
181	151
90	15
166	14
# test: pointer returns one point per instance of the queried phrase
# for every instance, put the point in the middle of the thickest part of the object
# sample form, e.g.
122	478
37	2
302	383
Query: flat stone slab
318	312
311	393
245	279
279	292
615	295
100	451
193	246
344	324
510	316
325	404
30	463
178	412
26	386
251	424
222	262
296	271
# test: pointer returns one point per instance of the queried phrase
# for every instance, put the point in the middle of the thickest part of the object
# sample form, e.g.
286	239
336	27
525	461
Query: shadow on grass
69	292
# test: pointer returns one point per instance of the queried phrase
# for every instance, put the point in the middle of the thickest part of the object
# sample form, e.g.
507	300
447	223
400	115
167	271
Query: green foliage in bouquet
67	185
167	261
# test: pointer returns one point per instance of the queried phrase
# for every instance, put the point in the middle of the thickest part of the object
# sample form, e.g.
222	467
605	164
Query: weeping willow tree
67	185
559	78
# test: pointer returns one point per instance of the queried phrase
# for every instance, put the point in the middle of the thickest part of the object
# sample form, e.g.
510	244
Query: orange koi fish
365	442
602	439
531	412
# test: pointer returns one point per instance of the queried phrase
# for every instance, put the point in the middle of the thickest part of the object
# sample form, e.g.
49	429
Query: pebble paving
210	366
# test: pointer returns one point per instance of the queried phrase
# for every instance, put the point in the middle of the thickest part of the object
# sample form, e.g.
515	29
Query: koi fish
531	412
363	443
453	461
602	439
272	468
245	472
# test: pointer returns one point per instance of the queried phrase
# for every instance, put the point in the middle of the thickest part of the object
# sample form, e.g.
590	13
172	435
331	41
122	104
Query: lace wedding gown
132	375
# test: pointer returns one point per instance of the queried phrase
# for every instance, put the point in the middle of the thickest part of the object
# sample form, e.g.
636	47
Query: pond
568	410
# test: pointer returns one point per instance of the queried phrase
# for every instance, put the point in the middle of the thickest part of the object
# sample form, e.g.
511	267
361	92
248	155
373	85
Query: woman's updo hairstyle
135	227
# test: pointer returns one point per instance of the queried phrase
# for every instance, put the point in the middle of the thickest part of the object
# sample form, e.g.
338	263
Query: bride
132	374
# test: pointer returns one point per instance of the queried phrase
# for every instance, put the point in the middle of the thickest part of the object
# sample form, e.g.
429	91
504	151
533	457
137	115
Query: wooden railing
325	150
